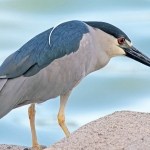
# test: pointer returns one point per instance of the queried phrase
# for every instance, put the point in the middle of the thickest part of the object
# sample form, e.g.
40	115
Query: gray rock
119	131
123	130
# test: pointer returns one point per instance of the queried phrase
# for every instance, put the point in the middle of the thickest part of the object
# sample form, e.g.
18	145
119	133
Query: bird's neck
97	57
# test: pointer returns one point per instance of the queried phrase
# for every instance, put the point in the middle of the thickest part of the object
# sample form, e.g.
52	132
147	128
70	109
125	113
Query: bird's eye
121	40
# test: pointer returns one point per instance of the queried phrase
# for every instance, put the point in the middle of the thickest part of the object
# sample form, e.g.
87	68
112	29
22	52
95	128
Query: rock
12	147
123	130
119	131
16	147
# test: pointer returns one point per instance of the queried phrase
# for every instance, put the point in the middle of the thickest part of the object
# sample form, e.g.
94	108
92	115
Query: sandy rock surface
12	147
119	131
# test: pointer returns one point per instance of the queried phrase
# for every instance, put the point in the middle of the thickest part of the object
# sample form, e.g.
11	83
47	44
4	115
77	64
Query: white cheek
117	51
120	51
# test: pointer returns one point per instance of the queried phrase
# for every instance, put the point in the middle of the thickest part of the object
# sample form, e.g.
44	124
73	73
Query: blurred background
122	85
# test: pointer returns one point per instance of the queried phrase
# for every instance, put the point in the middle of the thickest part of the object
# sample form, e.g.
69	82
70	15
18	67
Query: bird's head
118	43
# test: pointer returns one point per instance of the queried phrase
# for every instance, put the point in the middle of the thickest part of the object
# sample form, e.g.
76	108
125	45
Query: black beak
133	53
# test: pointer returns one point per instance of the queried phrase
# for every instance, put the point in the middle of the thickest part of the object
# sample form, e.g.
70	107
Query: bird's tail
3	103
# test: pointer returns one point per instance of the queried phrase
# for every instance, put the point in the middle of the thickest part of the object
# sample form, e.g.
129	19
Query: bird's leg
31	113
61	113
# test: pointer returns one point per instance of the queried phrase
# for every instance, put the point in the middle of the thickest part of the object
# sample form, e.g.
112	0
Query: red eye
121	40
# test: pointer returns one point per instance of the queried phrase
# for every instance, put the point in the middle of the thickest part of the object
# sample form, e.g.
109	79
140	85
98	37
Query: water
122	85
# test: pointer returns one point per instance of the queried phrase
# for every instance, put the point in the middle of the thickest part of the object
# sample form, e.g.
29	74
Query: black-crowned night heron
54	62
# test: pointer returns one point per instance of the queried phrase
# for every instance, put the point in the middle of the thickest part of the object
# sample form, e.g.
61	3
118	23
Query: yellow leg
61	114
31	113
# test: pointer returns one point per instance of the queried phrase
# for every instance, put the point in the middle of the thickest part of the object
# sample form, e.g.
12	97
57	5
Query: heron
52	63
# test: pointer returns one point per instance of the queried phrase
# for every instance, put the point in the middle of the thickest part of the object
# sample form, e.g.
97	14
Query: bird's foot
38	147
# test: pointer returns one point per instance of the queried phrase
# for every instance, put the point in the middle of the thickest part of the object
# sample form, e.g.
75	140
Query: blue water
122	85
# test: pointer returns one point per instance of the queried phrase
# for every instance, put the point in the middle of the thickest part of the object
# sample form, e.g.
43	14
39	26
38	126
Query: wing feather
43	49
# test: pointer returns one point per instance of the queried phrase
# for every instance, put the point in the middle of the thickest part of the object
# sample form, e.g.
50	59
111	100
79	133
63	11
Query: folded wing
43	49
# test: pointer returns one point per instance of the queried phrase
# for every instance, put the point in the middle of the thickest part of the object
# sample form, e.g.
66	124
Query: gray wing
25	58
43	49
